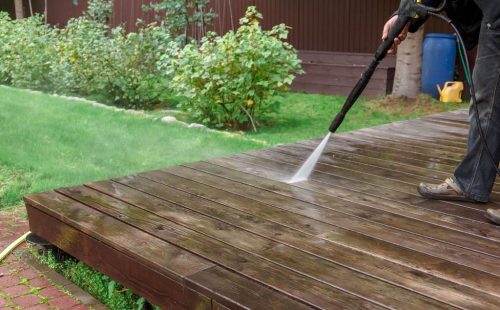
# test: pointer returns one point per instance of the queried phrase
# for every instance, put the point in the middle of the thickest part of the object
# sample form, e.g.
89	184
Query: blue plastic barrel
438	61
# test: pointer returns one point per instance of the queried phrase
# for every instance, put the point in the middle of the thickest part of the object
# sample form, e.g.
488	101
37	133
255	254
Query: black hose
470	81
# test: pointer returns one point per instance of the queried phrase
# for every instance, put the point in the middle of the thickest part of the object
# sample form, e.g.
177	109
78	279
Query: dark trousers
475	174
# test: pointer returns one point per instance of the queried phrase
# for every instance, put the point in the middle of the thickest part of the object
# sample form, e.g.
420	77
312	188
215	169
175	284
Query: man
479	23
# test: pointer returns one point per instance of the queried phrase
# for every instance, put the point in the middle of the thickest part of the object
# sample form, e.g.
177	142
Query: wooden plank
409	137
227	193
415	146
352	159
418	147
295	285
368	175
430	246
448	123
334	90
417	152
385	151
343	70
462	118
375	151
77	230
405	174
232	291
409	141
323	57
387	132
415	133
337	80
476	214
322	269
363	148
140	278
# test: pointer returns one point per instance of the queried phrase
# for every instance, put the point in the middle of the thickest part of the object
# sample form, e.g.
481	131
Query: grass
109	292
61	142
13	183
304	116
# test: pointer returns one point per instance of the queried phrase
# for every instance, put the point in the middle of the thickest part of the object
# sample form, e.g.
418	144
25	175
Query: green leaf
111	288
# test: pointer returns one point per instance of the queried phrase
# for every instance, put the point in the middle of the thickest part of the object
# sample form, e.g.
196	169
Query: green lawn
49	141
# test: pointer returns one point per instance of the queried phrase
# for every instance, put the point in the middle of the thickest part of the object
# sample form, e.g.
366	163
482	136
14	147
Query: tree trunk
409	66
18	5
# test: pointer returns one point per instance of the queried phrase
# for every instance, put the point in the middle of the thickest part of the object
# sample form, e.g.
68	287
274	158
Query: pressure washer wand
366	76
408	9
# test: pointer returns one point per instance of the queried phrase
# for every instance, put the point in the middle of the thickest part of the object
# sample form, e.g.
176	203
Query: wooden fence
352	26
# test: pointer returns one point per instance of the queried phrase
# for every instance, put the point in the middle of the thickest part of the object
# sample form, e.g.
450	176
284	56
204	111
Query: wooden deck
229	233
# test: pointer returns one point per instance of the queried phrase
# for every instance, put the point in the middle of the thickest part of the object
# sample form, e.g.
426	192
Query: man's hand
402	36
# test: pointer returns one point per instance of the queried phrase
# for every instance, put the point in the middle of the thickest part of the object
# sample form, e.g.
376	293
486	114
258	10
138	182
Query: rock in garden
135	112
169	119
195	125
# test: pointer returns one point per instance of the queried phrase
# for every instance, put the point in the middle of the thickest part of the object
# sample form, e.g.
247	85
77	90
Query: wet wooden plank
410	134
392	153
432	246
408	175
378	134
418	227
385	185
242	261
79	230
231	291
262	218
359	145
461	224
323	270
317	197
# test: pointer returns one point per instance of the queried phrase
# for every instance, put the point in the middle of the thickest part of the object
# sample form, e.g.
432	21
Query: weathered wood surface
229	233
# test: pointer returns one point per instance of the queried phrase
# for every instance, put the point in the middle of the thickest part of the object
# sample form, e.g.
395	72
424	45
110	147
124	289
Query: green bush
83	55
138	79
26	51
231	79
181	17
87	58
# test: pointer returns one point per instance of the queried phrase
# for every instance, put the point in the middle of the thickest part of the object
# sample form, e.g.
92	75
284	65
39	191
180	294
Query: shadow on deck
228	233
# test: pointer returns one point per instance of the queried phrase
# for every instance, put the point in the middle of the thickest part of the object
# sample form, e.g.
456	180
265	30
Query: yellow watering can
451	92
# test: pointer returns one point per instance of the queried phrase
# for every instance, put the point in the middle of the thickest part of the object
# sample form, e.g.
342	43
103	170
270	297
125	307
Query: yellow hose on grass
12	246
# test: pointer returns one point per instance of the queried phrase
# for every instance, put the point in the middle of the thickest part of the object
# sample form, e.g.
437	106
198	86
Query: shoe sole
492	218
445	197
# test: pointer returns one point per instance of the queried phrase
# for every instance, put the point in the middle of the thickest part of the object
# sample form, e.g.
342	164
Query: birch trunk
409	66
18	5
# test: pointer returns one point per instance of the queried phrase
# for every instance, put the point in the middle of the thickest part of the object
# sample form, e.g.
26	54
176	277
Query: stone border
141	113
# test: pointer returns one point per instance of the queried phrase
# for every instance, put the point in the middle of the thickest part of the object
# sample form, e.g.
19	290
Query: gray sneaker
493	215
448	190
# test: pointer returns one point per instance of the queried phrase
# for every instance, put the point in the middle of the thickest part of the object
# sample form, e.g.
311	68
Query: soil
422	105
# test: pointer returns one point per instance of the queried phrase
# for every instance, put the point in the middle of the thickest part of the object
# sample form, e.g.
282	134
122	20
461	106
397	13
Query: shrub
180	17
137	77
87	58
83	56
26	52
231	79
100	10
